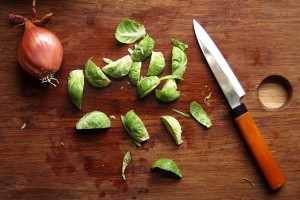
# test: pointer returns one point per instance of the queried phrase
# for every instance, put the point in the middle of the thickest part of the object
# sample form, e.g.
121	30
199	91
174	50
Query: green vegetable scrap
181	113
135	127
199	114
157	64
93	120
94	75
179	44
129	31
118	68
135	73
207	98
167	165
173	127
146	85
143	50
179	61
126	160
75	87
107	60
169	91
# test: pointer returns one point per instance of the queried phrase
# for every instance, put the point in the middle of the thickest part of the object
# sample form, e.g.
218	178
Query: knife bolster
239	110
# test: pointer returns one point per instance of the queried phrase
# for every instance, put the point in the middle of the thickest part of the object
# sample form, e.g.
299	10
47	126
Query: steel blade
228	82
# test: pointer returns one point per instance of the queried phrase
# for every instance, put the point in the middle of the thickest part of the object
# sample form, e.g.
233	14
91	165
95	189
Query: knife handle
258	147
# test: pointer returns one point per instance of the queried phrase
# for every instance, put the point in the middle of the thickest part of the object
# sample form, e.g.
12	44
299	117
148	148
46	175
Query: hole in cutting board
275	92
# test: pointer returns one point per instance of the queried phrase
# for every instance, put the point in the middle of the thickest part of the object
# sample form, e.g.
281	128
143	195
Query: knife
233	92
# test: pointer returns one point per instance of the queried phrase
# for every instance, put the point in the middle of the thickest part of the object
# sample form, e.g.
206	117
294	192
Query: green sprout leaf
94	75
173	127
75	87
129	31
181	113
126	160
93	120
199	114
179	44
167	165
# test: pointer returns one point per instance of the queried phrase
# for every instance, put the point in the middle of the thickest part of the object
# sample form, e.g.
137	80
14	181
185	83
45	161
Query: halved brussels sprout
167	165
173	127
118	68
143	50
93	120
169	91
157	64
126	160
179	61
75	87
135	127
94	75
135	73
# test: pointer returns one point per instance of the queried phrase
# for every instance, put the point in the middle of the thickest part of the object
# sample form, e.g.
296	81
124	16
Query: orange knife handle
258	147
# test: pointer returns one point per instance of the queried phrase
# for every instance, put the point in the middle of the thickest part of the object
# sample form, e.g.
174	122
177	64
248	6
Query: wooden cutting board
43	157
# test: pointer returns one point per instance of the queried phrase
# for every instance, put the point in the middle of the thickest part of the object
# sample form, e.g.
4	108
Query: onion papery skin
40	52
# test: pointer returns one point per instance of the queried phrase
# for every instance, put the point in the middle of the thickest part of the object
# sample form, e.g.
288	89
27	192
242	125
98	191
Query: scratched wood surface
48	159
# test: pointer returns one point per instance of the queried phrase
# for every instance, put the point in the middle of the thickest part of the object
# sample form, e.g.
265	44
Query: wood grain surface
49	159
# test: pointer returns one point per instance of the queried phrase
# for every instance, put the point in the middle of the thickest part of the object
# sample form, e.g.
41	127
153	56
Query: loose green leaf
173	127
134	73
181	113
157	64
129	31
93	120
179	61
167	165
207	97
199	114
168	92
143	50
135	126
126	160
118	68
75	87
179	44
146	85
107	60
94	75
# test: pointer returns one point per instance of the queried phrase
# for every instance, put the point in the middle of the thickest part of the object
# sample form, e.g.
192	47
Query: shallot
40	52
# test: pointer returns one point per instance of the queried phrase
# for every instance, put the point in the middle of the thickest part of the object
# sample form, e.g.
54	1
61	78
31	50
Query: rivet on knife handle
258	147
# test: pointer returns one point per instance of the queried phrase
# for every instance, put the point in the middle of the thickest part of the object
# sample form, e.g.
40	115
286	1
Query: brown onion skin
40	52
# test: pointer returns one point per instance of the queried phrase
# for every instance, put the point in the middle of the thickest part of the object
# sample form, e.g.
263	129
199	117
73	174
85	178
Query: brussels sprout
93	120
94	75
157	64
143	50
167	165
129	31
135	127
173	127
179	61
75	87
126	160
169	91
134	73
146	85
118	68
199	114
179	44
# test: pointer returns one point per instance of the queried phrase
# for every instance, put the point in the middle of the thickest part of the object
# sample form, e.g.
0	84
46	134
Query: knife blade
233	92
